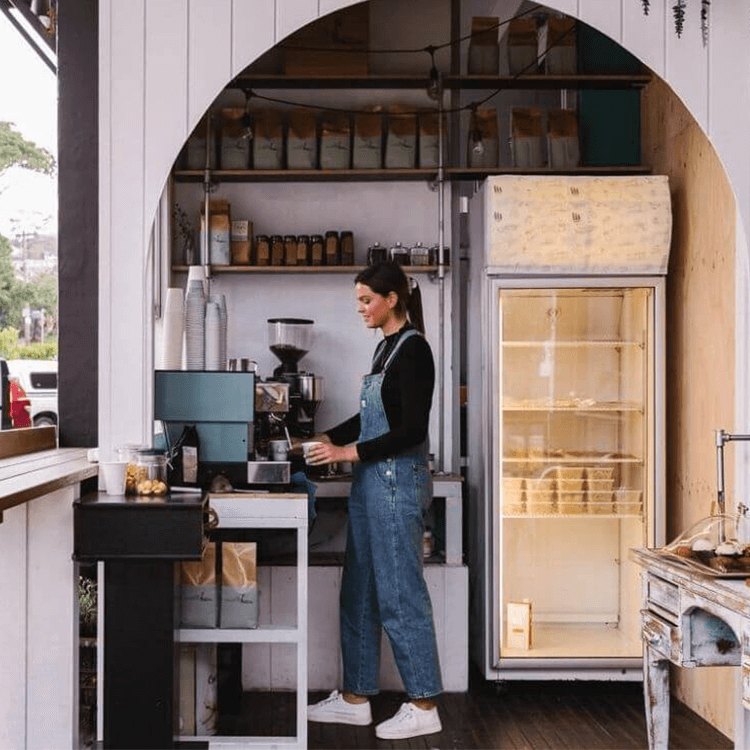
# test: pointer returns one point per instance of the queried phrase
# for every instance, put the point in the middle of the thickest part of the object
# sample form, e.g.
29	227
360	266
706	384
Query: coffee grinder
290	339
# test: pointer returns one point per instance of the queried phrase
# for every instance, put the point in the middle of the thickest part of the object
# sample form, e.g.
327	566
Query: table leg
656	695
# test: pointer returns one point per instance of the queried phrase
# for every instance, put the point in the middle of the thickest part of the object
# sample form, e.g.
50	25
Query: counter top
339	486
32	475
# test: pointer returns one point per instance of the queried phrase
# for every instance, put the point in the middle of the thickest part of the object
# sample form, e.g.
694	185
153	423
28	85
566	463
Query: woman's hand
325	453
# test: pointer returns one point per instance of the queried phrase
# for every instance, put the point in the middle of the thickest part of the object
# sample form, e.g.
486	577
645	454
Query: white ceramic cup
113	473
308	446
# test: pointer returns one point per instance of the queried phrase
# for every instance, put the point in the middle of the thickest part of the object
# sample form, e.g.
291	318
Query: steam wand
723	437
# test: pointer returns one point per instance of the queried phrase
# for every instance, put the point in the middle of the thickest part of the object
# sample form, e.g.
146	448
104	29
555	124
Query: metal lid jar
150	473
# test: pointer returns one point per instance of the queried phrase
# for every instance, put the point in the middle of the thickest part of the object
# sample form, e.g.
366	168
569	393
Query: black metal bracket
48	36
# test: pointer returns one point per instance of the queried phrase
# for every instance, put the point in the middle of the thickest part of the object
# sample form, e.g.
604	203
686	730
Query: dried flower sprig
678	10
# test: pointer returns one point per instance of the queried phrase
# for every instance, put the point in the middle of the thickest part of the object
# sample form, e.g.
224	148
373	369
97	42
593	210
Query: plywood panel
253	31
603	15
209	54
643	35
700	334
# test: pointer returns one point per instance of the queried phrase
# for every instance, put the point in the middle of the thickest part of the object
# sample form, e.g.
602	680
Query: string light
434	88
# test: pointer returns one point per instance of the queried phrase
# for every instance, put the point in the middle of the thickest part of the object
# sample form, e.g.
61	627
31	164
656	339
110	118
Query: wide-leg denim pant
383	583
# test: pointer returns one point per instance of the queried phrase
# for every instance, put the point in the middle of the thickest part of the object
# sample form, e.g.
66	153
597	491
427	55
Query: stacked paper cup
171	349
213	336
195	332
220	300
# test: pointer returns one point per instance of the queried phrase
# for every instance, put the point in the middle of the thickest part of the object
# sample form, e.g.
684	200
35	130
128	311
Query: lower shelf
261	634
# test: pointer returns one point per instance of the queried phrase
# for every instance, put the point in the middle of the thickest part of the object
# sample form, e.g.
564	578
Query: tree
15	150
8	283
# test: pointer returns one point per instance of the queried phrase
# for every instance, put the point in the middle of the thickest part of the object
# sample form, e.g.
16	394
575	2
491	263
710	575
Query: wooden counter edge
46	477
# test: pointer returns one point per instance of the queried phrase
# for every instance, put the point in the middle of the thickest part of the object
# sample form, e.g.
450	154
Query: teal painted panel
219	442
187	396
598	53
609	127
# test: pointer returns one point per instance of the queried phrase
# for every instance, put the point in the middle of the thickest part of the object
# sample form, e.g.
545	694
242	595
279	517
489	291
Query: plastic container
150	473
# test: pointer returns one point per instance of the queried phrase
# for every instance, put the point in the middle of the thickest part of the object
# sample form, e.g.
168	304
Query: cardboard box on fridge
333	45
518	623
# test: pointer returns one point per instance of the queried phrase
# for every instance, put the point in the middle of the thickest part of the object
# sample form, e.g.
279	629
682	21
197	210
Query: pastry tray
699	567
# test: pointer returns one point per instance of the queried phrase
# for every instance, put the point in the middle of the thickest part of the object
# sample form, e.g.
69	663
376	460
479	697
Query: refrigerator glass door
575	401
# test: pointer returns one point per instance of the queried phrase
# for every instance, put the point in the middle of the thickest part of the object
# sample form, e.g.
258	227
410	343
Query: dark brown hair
384	278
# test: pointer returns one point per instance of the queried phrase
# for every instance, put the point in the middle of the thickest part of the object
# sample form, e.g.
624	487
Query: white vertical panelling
209	55
106	175
13	628
52	635
165	99
687	63
728	96
292	15
569	7
329	6
604	15
643	35
253	31
122	254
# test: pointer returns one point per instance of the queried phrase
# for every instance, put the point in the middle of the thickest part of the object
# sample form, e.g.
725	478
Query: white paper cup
308	446
113	473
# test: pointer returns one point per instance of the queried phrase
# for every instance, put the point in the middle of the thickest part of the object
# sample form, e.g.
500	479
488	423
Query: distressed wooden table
692	620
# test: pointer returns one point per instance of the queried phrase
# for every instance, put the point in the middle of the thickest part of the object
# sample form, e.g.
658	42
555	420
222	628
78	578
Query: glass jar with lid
150	473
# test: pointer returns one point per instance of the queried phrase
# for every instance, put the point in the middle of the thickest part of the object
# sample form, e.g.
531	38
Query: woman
383	584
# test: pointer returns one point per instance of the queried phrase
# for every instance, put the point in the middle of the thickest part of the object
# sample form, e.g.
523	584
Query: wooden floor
530	715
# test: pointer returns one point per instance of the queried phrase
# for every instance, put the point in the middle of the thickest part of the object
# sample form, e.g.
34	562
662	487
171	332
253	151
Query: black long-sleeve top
407	397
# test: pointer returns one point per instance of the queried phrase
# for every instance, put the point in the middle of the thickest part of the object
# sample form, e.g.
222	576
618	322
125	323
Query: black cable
415	50
452	110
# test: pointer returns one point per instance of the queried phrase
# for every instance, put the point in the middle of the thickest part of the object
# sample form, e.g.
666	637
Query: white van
38	377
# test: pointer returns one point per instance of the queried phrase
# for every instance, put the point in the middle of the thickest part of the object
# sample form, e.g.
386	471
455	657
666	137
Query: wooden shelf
393	175
303	269
407	81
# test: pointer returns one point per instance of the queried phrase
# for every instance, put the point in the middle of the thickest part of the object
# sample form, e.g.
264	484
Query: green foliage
46	350
15	150
87	604
8	342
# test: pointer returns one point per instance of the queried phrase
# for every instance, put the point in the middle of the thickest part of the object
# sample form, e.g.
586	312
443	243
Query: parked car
38	379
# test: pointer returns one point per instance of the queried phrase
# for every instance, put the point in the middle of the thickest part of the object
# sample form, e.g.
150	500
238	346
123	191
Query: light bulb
433	86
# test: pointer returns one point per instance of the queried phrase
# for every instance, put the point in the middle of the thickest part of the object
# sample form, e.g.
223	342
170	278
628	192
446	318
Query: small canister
262	250
332	249
420	255
376	254
347	249
316	250
435	252
151	472
277	250
399	254
303	250
290	250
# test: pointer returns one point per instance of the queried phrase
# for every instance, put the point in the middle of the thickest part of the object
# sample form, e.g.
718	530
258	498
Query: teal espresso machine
223	406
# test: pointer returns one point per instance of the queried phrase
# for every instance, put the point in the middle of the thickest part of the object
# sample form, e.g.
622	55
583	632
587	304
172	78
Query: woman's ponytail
414	306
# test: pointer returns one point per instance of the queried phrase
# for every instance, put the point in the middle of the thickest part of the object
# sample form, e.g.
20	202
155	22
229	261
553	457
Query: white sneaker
409	721
335	710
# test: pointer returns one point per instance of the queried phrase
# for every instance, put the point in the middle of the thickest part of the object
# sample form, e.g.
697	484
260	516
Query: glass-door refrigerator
566	460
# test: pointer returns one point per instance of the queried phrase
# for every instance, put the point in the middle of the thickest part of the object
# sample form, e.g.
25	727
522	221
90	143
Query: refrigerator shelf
571	460
583	514
558	344
603	406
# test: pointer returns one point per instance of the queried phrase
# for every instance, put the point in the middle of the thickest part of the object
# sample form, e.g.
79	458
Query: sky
28	98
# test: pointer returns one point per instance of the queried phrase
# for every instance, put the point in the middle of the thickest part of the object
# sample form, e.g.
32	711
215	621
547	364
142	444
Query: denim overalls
383	582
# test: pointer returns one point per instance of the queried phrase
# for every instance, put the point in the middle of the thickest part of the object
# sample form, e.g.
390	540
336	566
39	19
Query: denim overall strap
383	582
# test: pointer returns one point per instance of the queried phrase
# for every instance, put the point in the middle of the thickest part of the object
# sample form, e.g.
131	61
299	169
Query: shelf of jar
582	514
408	81
395	175
303	269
